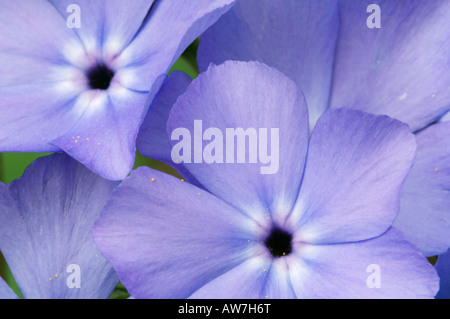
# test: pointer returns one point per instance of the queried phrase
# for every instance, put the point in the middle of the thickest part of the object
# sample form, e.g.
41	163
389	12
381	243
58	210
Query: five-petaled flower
309	231
85	90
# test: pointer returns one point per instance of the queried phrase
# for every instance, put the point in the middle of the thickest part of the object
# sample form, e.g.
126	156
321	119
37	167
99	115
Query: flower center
100	77
279	242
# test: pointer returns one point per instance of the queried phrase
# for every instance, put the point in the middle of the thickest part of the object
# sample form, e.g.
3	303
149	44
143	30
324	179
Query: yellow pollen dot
98	144
50	278
265	269
436	169
284	254
182	179
76	141
153	179
78	137
56	275
199	193
87	138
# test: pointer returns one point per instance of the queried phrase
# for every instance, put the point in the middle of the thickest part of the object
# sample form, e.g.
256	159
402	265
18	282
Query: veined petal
384	267
182	237
399	69
356	166
232	113
424	215
45	230
298	37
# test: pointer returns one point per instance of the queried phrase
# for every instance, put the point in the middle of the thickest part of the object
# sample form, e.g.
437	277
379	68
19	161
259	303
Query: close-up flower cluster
224	149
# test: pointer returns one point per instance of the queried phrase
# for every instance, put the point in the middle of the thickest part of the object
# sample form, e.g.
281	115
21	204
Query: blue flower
328	49
78	75
46	218
316	223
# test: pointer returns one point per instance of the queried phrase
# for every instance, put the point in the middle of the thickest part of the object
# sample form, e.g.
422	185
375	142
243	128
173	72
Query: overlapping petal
296	37
167	238
169	29
356	166
104	137
152	140
384	267
398	69
254	99
45	230
424	215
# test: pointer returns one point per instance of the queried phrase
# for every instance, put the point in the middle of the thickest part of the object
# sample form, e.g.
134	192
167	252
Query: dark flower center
100	77
279	242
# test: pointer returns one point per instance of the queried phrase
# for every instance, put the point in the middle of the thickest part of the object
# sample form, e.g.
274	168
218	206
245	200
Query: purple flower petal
168	246
153	141
443	270
160	42
5	291
39	115
296	37
230	241
249	97
45	230
109	24
424	215
35	99
355	169
257	278
35	29
104	138
351	270
399	69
